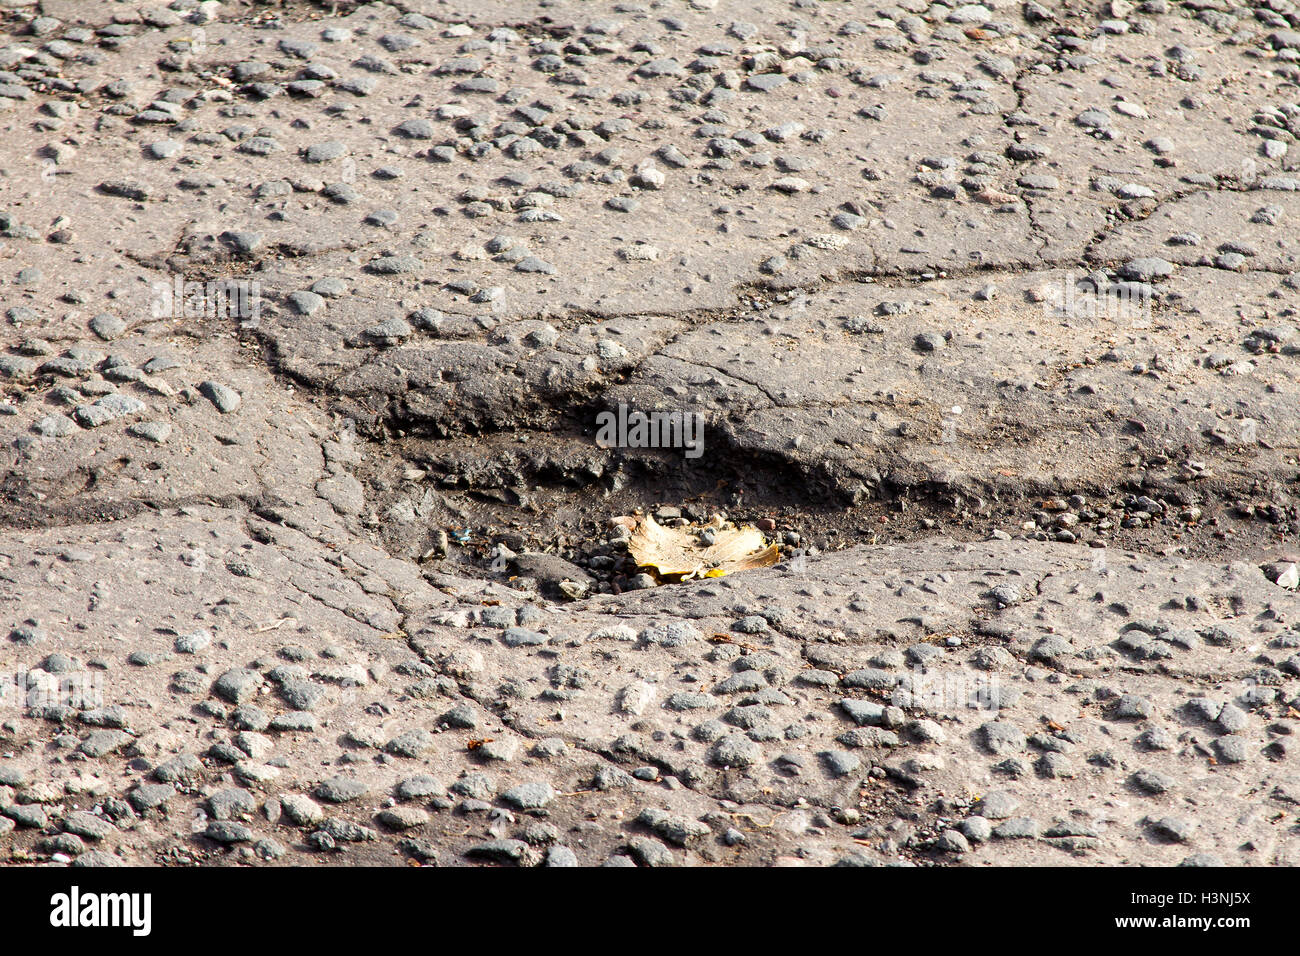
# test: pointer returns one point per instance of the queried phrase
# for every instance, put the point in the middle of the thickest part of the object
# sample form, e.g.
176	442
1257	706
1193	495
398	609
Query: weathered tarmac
988	312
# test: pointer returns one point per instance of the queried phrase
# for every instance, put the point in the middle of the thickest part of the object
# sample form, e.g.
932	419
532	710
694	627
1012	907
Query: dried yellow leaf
677	554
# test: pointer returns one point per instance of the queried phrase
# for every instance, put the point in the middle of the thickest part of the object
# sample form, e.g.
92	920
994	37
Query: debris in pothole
697	551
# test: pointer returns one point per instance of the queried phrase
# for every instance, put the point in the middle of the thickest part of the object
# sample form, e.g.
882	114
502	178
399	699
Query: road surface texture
987	314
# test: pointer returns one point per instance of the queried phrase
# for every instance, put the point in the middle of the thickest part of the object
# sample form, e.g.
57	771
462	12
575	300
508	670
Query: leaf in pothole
678	553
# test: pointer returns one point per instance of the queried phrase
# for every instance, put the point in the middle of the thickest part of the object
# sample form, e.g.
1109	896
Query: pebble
952	841
561	856
302	810
650	852
238	685
503	851
1173	828
88	825
403	818
419	787
766	82
1147	270
1002	738
1017	828
1231	749
840	763
29	816
1133	707
107	326
529	796
223	397
737	751
231	803
340	790
149	796
978	829
1152	781
101	743
226	831
306	303
476	786
156	432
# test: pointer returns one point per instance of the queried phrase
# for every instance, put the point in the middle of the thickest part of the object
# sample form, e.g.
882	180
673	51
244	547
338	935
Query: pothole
535	509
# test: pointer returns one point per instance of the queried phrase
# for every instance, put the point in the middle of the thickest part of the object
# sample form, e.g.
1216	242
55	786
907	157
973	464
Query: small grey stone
1232	719
1133	707
863	712
561	856
301	809
522	637
244	243
87	825
225	398
393	265
1173	828
182	768
302	694
31	816
419	787
1152	781
415	129
226	831
107	326
1023	828
12	776
268	849
476	786
340	790
324	152
148	796
156	432
1231	749
1147	269
231	803
306	303
672	827
410	744
743	682
403	818
997	805
1000	738
736	750
193	642
164	149
977	828
1054	766
930	341
840	763
529	796
952	841
504	851
248	717
1157	738
766	82
100	743
238	685
650	852
535	265
294	721
462	716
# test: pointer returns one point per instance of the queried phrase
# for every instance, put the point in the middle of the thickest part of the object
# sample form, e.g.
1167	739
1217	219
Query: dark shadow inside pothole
530	504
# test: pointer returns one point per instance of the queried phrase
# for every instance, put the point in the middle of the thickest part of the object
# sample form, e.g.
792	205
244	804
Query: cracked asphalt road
988	312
